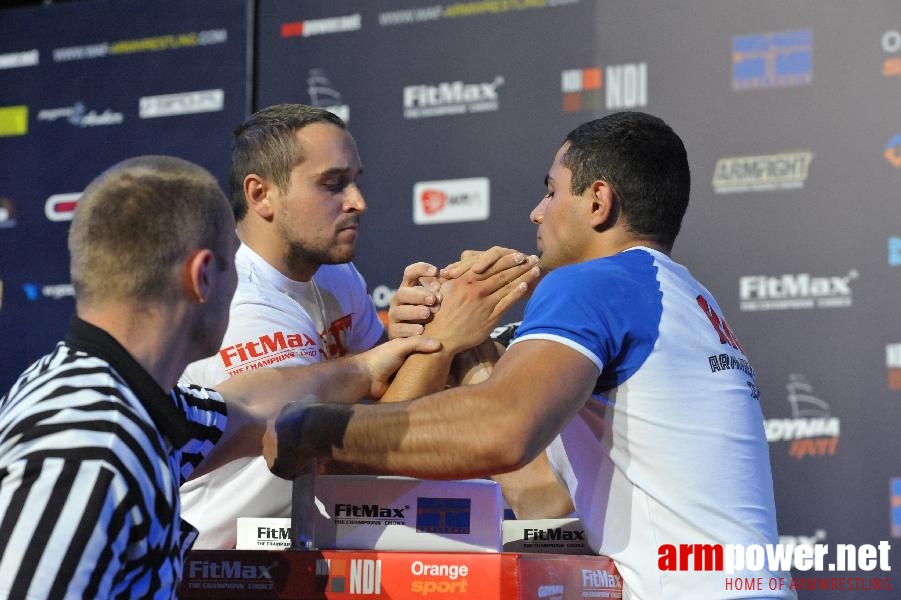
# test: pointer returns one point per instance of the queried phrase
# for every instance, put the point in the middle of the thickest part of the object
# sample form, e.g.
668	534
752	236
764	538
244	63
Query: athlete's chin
341	255
546	262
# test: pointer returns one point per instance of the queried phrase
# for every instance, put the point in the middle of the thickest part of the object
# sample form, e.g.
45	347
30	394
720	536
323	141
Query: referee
96	437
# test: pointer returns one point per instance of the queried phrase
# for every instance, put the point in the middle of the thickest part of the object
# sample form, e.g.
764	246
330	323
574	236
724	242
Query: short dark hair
265	145
644	161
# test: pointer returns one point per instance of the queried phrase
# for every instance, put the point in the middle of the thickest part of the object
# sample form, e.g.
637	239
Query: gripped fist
415	301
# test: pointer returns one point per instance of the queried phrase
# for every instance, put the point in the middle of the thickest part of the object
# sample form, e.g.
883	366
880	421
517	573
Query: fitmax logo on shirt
264	347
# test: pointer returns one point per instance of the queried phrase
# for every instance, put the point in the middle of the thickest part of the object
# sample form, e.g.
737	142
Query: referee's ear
197	275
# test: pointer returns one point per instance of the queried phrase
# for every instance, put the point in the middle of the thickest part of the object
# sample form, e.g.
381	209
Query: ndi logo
581	89
623	86
354	576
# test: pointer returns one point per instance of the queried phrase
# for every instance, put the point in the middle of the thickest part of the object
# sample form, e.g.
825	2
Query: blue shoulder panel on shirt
609	306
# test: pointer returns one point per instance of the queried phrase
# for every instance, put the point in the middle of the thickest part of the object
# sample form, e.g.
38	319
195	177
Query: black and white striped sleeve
69	544
207	416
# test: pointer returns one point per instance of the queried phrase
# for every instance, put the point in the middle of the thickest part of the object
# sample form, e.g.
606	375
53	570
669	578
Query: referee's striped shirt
92	452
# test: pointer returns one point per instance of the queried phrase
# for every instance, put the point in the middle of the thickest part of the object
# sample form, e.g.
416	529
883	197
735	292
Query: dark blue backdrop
83	86
789	112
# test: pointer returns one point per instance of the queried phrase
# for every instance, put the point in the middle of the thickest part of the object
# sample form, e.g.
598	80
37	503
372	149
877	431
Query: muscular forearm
470	431
258	396
424	374
442	436
262	393
435	438
534	492
420	375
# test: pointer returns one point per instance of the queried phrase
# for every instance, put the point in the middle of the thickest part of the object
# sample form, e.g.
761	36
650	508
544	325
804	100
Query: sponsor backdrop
83	86
789	112
790	115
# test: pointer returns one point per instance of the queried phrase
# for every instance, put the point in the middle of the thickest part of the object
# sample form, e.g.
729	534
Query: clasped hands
456	308
471	294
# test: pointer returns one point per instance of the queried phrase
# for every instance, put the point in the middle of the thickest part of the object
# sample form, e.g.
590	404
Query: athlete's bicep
546	383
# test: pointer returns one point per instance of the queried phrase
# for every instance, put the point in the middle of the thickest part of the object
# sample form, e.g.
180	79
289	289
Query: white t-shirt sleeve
258	336
367	328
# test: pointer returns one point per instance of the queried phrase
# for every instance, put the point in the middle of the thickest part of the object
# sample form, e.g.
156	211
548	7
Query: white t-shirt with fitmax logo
274	321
